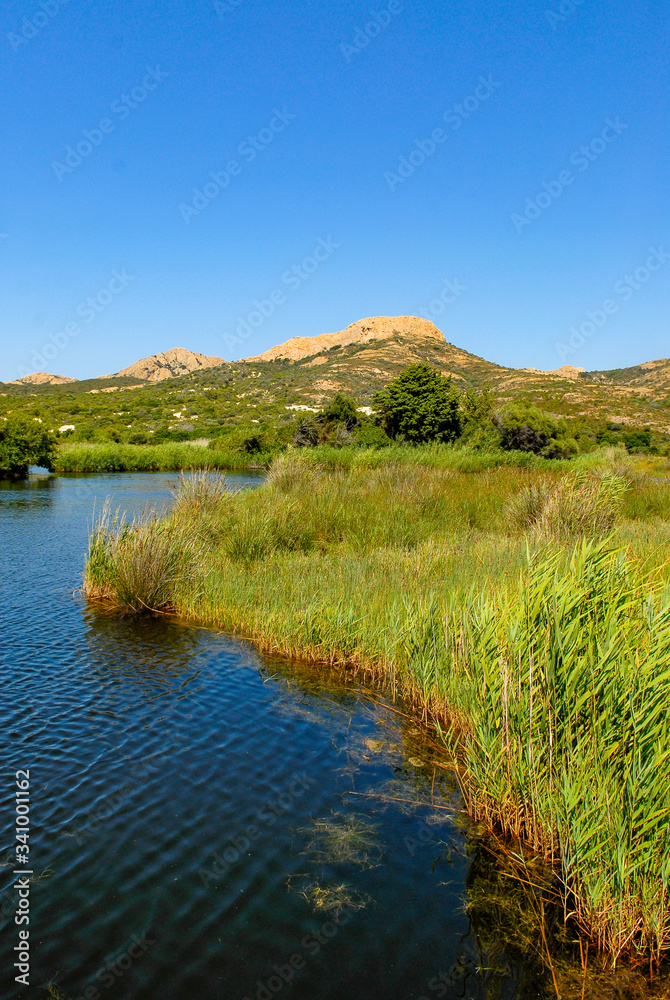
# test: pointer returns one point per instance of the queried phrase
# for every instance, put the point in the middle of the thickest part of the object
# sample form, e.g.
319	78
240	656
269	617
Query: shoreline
462	627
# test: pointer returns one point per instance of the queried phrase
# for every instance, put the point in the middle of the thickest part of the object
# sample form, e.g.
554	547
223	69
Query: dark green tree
526	428
341	410
419	405
24	443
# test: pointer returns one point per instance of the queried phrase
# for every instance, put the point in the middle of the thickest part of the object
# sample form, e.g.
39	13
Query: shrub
370	435
420	405
24	443
477	411
341	410
527	428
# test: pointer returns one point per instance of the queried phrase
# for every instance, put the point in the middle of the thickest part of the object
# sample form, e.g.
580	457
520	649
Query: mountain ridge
365	356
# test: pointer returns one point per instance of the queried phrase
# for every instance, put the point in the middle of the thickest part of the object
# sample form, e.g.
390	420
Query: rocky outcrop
171	364
42	378
363	332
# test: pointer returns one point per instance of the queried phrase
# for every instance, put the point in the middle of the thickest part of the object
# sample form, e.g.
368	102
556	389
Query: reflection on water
214	823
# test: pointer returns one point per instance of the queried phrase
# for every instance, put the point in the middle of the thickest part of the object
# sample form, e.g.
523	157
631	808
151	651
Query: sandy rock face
567	371
177	361
363	332
42	378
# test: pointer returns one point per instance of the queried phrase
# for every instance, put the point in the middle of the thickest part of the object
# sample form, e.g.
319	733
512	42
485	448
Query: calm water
213	803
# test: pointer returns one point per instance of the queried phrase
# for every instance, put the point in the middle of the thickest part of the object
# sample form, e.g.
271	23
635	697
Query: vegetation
23	444
526	428
525	612
259	408
420	405
152	458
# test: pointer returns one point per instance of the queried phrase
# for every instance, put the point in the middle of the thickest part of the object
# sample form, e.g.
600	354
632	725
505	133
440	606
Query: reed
137	566
168	457
525	613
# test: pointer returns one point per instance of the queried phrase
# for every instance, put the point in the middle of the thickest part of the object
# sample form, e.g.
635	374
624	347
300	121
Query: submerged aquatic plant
344	839
333	897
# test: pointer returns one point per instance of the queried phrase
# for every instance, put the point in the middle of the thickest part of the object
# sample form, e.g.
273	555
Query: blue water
208	822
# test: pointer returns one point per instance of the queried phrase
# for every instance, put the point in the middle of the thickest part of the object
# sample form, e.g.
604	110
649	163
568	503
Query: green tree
527	428
419	405
22	444
341	410
478	408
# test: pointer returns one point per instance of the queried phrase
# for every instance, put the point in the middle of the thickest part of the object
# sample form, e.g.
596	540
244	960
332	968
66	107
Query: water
196	807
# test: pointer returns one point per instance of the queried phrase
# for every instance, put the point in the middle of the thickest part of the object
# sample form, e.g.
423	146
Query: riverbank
167	457
524	612
179	456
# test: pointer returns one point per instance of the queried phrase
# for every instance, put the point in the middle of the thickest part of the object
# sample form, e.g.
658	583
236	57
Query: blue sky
410	144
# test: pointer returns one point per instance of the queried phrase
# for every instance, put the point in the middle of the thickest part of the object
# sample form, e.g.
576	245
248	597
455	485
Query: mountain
171	364
359	360
652	376
365	331
41	378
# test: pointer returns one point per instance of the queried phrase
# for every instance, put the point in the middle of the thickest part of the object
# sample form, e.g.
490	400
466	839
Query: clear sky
224	176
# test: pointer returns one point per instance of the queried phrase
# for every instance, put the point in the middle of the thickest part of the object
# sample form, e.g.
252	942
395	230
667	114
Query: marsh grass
138	566
167	457
524	612
581	504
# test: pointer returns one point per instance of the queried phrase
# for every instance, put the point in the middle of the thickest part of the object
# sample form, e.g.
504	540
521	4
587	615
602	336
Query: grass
524	611
166	457
175	456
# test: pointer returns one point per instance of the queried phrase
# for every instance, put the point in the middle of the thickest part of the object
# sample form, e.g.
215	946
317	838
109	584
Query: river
209	823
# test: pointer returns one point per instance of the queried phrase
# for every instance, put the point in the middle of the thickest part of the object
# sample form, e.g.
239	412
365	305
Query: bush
341	411
527	428
420	405
370	435
333	425
22	444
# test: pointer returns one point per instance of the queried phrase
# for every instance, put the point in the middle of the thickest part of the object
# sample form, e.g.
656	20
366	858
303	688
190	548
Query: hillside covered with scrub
257	407
524	613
